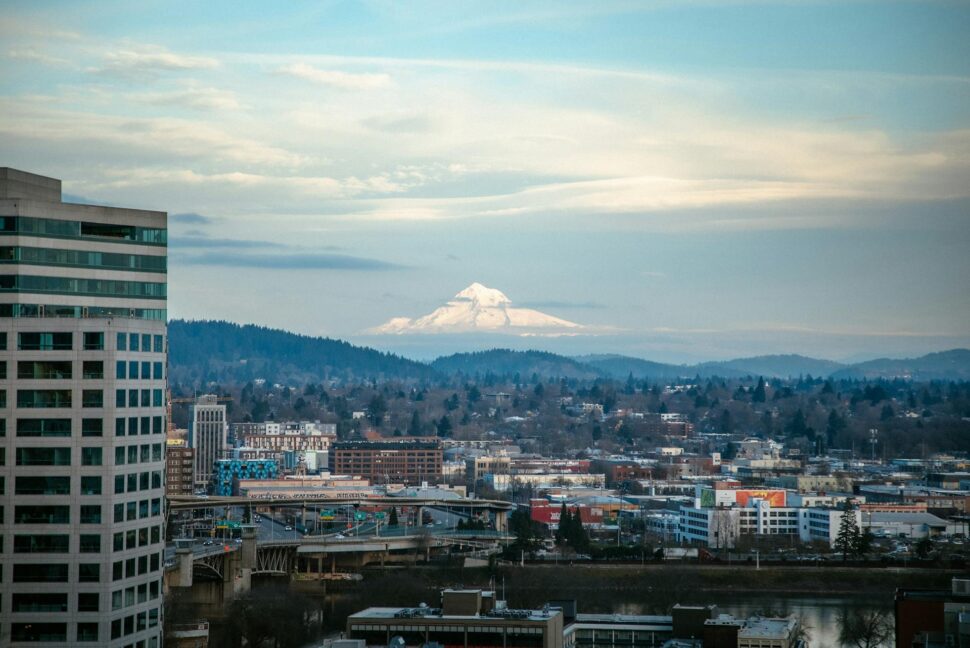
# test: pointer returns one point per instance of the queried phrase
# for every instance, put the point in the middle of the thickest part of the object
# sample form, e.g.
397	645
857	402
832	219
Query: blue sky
703	179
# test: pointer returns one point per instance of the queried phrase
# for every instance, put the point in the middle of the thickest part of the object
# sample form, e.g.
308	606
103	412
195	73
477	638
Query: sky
690	179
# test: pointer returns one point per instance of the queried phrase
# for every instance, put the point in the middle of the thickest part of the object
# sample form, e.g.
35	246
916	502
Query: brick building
408	461
179	462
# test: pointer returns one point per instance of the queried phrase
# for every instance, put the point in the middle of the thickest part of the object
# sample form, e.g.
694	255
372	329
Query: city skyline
705	180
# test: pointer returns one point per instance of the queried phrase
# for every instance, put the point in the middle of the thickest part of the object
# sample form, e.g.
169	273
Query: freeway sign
360	516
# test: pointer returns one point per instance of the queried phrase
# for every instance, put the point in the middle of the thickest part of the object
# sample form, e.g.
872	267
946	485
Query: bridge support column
248	548
184	557
501	521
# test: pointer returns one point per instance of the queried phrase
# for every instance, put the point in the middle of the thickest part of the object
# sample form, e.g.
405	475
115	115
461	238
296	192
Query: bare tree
865	628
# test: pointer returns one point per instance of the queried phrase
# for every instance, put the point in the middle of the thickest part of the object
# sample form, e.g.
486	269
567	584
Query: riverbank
651	589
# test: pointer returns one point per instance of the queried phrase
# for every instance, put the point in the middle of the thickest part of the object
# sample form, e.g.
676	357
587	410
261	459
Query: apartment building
407	461
82	429
179	468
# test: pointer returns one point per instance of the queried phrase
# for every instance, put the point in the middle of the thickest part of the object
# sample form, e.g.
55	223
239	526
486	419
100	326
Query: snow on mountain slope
478	308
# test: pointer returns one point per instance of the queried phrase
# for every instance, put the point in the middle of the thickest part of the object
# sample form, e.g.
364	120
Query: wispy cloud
184	242
189	218
147	61
336	78
193	97
33	55
290	261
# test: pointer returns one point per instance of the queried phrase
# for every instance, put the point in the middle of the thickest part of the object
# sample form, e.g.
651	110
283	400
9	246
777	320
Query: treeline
203	352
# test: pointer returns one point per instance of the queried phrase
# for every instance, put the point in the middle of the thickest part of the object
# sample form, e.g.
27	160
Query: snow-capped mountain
478	308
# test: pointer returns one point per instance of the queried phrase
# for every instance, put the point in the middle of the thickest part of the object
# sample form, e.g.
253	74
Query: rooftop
764	628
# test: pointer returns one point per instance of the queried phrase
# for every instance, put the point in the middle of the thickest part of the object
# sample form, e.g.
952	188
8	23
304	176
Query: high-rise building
82	418
207	436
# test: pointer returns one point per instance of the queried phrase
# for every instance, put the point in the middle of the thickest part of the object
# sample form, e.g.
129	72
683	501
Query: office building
82	430
465	618
407	461
207	436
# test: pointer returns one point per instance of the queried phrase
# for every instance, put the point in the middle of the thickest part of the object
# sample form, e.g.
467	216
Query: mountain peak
483	295
479	308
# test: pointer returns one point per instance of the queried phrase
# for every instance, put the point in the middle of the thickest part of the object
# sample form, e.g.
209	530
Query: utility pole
873	439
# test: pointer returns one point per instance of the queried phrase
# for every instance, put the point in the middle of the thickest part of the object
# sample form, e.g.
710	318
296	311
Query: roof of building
765	628
435	613
905	517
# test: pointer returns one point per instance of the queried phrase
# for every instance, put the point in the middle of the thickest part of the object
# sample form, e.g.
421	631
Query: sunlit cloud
336	78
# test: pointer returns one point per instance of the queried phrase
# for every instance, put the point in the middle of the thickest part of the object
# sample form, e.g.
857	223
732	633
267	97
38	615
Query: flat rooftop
761	628
403	613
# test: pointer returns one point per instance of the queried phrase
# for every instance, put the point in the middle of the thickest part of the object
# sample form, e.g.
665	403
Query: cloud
147	61
399	124
286	261
190	218
196	98
198	241
32	55
336	78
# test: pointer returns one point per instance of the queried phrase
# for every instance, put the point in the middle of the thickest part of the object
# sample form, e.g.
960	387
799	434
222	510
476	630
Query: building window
90	514
40	602
39	573
90	543
87	632
91	485
121	344
87	602
92	370
45	341
159	345
93	341
44	370
92	427
91	456
40	485
43	456
89	573
43	398
34	514
43	427
133	342
92	398
36	632
38	543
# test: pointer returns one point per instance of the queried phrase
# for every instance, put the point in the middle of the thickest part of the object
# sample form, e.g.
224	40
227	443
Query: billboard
774	497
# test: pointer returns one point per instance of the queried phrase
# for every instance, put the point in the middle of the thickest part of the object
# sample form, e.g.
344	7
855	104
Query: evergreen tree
560	534
414	429
444	426
759	395
392	521
847	539
798	426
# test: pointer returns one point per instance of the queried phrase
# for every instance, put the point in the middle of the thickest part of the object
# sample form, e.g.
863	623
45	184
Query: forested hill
505	362
209	351
222	352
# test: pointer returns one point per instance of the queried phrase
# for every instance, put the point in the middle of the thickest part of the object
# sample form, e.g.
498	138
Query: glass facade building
82	419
